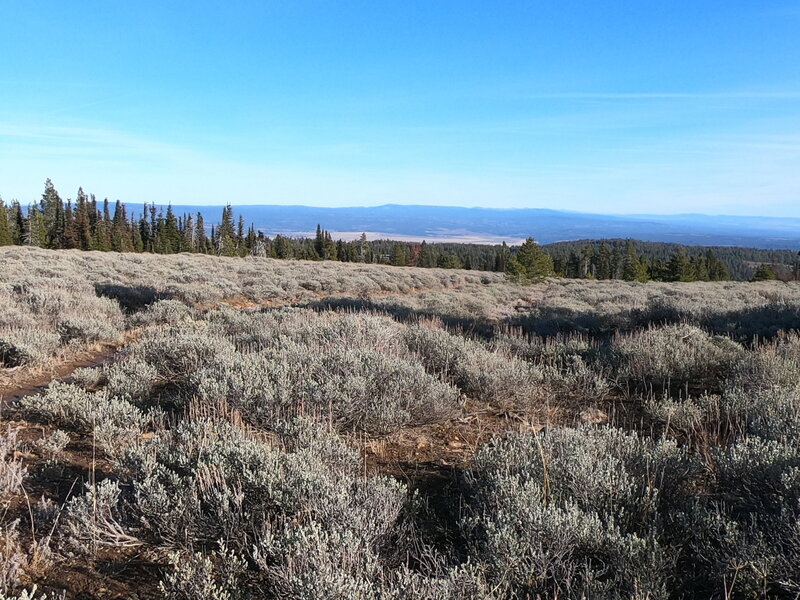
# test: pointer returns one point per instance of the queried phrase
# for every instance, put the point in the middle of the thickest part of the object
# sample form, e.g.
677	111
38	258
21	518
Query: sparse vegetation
276	429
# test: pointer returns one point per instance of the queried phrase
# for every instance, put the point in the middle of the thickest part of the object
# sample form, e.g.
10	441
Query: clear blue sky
607	106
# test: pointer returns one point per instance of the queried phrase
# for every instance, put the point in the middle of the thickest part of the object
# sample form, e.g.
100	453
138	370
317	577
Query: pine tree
169	233
765	273
328	247
501	258
226	234
6	238
679	267
363	248
283	247
70	229
201	240
449	261
319	242
399	256
604	261
120	238
573	268
52	217
632	268
35	228
589	262
136	235
18	223
534	262
188	234
427	256
717	269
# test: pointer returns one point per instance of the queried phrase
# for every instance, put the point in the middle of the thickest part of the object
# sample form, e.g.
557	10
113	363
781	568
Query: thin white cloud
786	95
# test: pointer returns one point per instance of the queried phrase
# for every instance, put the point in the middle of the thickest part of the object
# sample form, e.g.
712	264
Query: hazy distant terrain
445	223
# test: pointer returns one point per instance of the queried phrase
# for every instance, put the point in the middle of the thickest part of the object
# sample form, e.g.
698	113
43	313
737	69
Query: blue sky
637	106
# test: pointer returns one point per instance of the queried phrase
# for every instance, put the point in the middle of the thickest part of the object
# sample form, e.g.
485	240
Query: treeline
89	224
605	259
623	261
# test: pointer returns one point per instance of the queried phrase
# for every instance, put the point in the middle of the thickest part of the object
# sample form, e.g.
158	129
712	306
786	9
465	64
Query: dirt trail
27	381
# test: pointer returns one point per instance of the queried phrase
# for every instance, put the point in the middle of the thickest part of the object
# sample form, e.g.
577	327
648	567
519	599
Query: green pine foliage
530	263
765	273
6	238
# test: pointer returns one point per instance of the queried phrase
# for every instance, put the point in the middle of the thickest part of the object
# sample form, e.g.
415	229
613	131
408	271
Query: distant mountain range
489	225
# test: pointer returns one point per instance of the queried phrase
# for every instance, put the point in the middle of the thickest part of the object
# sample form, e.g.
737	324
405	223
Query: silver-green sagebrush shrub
195	576
357	389
13	558
742	539
675	354
771	365
299	510
114	422
131	378
176	352
99	519
162	312
24	347
88	377
52	446
477	371
205	481
574	513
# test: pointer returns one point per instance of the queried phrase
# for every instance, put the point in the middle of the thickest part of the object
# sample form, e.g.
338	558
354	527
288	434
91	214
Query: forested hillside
89	224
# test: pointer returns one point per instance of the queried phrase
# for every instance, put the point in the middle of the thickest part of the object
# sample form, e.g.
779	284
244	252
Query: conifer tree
632	268
679	267
83	221
6	238
501	258
604	261
765	273
427	256
363	248
18	223
449	261
169	233
226	234
319	242
70	230
188	234
399	256
717	269
573	268
36	229
201	240
52	217
534	263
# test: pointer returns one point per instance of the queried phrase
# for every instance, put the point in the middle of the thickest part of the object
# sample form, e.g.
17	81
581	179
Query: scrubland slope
277	429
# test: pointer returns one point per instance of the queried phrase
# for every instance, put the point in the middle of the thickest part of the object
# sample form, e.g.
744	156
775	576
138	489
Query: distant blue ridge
546	225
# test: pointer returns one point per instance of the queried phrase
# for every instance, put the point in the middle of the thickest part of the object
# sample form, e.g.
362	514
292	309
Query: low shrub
575	513
477	371
674	354
114	422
